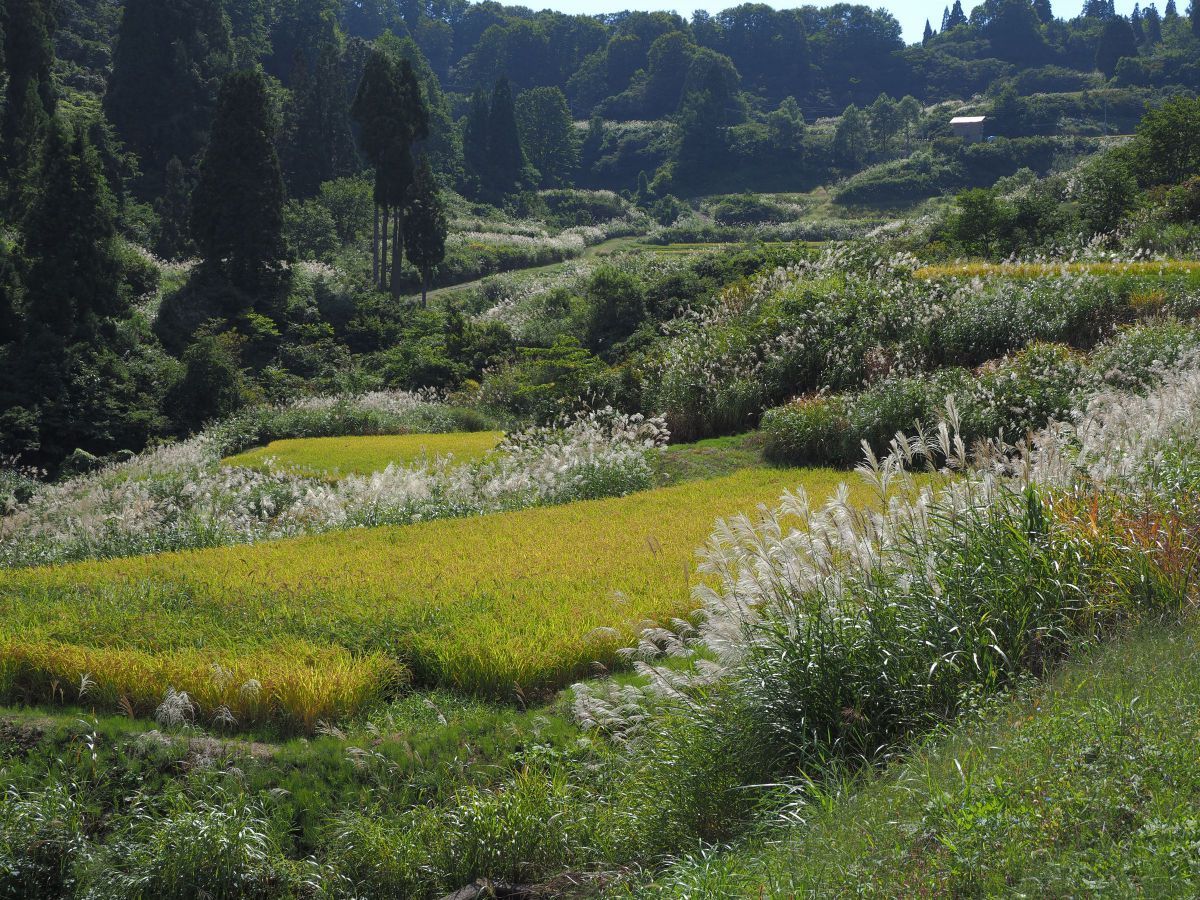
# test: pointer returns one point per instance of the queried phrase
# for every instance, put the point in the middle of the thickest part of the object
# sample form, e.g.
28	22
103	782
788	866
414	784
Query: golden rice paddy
340	456
500	605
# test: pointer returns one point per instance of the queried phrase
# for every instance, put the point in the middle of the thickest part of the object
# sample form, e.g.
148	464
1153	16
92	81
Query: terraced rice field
317	627
1049	270
341	456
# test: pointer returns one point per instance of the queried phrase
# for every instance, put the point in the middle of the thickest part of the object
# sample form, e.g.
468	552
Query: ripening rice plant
1052	269
180	497
518	602
362	455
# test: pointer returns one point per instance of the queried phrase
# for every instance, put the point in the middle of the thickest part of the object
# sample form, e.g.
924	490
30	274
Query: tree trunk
383	256
424	286
375	248
397	249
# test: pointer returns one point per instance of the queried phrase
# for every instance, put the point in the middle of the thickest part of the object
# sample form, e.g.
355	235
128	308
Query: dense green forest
210	204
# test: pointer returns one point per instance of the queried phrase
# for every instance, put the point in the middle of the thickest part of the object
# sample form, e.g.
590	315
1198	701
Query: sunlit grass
498	605
1089	780
1051	270
359	455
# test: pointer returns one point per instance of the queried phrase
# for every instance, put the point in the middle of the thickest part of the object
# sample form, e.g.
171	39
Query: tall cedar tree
928	35
504	141
1153	25
81	379
1116	42
425	227
476	158
73	270
1044	12
392	117
10	323
173	238
63	385
30	96
1194	16
168	63
320	146
1135	22
237	207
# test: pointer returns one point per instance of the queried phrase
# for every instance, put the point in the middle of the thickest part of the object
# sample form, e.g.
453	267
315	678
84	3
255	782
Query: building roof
967	120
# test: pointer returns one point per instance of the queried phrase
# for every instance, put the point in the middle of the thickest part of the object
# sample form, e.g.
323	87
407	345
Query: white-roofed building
969	128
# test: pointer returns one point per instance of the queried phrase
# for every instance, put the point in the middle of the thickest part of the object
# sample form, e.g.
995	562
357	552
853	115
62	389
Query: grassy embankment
1087	783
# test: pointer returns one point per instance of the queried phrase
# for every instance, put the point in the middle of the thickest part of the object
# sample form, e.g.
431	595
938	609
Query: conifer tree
237	207
475	143
1116	42
644	192
389	108
957	16
168	63
1135	22
1194	16
1170	13
68	383
1044	11
30	96
10	322
73	271
320	146
425	226
174	208
1153	25
504	141
945	19
928	36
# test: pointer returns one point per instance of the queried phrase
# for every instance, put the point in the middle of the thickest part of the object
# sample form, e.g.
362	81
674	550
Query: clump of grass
221	846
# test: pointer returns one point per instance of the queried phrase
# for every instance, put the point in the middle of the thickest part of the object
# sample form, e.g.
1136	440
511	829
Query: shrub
222	848
213	385
1036	386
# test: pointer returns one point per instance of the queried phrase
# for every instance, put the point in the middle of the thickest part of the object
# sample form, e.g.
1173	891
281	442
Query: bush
1038	385
41	841
750	209
213	385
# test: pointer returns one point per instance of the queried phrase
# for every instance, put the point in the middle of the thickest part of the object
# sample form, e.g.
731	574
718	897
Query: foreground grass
1052	270
422	748
1087	784
358	455
317	628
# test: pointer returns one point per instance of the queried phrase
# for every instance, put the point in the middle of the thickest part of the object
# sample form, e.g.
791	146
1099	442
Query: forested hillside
208	204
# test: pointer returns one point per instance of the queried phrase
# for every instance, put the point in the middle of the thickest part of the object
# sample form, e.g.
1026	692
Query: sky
910	13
